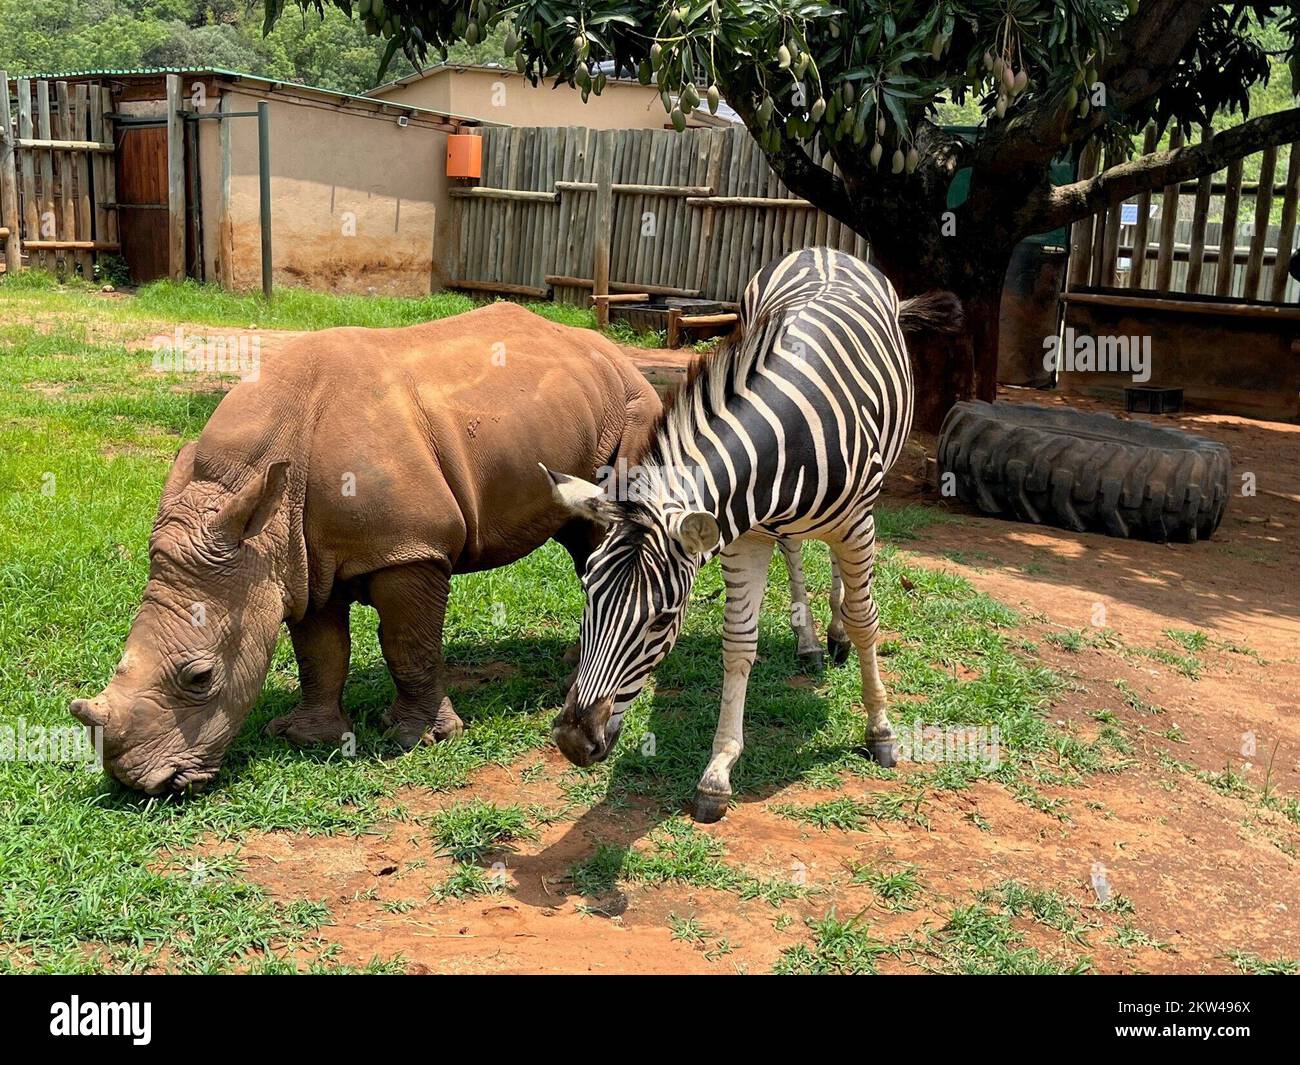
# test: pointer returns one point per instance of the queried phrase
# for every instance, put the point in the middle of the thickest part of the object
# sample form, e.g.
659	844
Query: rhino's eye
197	676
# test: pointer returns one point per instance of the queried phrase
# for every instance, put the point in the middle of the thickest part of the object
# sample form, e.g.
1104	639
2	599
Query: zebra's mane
711	378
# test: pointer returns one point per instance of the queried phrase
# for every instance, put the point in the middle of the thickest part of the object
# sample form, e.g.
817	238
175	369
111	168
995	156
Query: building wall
359	203
507	98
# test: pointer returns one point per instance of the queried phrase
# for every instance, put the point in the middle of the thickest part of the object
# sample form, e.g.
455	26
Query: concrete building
499	96
359	191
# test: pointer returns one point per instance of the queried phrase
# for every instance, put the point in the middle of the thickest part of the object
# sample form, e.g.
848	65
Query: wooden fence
693	214
1219	236
58	195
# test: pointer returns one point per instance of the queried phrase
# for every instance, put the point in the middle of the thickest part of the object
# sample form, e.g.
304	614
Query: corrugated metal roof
243	75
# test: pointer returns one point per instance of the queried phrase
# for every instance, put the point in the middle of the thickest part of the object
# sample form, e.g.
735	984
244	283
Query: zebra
786	432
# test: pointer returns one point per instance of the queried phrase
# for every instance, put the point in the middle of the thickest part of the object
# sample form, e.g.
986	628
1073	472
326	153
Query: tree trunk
949	368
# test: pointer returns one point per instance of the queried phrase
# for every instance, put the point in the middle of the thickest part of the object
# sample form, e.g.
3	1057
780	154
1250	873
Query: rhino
362	465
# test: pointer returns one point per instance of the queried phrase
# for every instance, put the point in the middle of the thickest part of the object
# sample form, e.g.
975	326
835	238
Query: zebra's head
637	584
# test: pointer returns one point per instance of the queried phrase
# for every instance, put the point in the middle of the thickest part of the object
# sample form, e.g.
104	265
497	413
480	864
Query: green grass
289	308
838	948
467	831
94	878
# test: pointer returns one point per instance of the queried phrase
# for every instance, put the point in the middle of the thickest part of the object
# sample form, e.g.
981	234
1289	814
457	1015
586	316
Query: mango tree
866	77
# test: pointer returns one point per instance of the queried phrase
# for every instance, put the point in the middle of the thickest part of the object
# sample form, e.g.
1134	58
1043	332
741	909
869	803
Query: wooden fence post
175	181
604	218
10	219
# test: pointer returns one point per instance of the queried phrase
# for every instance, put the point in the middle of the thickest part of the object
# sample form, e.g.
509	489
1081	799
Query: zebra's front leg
807	648
837	640
744	567
862	625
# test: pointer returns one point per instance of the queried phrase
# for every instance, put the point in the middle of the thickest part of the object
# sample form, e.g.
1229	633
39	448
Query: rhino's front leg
412	601
322	645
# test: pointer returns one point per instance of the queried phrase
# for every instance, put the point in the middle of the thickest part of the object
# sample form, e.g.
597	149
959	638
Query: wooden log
1263	209
1228	231
724	202
482	192
1143	218
570	281
65	144
108	195
1081	231
31	207
10	218
623	188
709	220
72	245
85	219
621	297
49	225
1168	223
1200	223
1286	231
1260	311
504	287
1110	240
175	181
604	219
722	318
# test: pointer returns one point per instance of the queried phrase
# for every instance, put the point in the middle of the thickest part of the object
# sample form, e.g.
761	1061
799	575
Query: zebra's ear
698	532
579	497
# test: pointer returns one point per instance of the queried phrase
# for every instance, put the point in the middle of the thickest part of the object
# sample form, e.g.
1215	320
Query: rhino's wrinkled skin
362	465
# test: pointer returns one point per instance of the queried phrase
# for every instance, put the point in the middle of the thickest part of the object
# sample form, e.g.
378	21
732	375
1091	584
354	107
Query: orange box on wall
464	155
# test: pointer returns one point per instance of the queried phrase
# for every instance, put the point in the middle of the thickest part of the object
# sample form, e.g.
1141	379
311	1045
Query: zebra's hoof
884	752
838	650
710	808
811	661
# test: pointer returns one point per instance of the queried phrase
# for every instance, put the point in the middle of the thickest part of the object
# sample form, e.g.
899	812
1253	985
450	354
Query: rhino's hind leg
412	601
322	645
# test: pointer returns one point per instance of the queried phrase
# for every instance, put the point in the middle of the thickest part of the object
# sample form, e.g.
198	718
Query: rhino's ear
247	512
581	498
181	473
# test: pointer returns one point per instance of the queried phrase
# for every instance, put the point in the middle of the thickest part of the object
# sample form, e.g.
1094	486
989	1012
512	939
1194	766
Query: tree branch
794	166
1068	203
1147	51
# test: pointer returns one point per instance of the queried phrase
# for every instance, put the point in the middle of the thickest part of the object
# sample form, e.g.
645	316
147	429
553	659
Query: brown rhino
362	465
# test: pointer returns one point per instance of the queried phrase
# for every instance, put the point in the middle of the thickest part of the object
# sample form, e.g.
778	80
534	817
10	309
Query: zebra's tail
931	312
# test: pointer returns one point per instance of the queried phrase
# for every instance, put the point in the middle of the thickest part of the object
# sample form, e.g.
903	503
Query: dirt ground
1208	869
1181	832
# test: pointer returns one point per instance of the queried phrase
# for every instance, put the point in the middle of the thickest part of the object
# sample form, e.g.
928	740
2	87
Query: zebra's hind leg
837	640
856	561
744	568
807	647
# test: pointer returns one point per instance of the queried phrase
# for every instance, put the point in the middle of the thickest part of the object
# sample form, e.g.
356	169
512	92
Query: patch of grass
897	891
838	948
467	831
1254	965
978	940
852	815
1045	907
1129	937
679	853
1193	641
468	881
1067	640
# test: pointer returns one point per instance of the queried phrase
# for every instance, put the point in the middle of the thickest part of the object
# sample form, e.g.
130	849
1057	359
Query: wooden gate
142	200
58	194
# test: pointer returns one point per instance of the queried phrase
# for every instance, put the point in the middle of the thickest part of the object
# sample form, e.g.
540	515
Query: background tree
866	78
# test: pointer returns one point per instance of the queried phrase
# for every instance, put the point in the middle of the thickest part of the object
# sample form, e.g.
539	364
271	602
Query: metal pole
264	190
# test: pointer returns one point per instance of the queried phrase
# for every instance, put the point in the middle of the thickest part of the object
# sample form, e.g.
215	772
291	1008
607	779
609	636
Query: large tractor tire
1086	472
